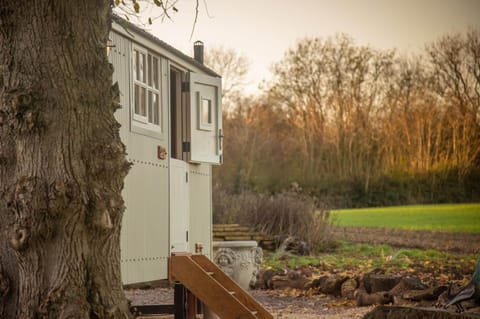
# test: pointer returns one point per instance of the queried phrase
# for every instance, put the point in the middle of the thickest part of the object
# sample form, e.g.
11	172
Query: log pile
374	288
236	232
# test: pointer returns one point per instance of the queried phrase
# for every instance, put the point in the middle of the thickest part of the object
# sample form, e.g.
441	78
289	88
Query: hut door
179	185
179	206
205	135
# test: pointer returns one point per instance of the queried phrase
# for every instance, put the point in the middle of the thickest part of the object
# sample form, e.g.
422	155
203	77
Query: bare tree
348	118
330	91
456	62
233	67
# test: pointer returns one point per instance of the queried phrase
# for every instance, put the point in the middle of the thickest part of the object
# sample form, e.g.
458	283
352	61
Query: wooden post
191	305
179	300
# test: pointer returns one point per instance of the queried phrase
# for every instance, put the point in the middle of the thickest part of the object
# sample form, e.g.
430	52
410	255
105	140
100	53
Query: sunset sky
264	29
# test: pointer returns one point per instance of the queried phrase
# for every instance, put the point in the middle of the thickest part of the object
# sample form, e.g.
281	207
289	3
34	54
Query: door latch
220	139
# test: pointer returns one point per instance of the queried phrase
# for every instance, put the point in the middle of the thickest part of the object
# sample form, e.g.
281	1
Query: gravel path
281	306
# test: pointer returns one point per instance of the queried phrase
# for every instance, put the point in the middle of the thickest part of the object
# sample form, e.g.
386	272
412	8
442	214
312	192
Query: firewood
377	298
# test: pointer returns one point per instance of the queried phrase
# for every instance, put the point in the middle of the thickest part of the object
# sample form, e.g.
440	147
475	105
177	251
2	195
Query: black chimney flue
198	51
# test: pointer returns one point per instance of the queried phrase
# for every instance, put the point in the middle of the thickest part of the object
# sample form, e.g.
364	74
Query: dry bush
288	213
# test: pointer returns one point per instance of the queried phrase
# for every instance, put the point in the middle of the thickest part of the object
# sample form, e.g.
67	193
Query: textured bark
62	163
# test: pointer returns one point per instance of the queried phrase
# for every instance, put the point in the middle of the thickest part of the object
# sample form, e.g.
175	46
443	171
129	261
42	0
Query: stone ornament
239	259
225	258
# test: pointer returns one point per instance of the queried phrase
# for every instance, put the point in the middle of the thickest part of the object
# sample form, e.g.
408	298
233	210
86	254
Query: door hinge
187	235
185	86
186	147
186	177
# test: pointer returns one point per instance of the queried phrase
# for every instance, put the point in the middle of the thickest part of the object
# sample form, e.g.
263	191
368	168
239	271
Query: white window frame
205	124
149	121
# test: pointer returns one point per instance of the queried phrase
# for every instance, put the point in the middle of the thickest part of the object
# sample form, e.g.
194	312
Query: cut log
348	288
283	282
406	285
264	279
295	245
379	282
424	294
237	238
376	298
330	285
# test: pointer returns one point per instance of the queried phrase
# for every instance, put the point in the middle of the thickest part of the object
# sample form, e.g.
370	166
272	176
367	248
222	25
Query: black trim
152	309
186	147
179	308
185	87
180	301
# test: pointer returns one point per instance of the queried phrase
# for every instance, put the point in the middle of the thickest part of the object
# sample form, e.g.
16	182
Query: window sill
147	130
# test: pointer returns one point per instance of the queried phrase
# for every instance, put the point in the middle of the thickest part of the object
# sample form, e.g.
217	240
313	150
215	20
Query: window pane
156	110
141	68
150	111
149	69
155	72
135	63
137	99
207	111
143	106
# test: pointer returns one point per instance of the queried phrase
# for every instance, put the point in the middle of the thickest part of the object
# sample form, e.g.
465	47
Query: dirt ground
445	241
318	306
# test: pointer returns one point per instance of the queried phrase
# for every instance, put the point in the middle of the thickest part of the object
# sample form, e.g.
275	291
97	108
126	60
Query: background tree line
355	126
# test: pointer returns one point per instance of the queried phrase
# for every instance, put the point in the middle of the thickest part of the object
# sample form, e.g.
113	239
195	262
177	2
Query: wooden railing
214	288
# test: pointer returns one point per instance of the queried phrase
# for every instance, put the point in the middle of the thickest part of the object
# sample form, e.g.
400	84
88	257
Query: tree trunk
62	163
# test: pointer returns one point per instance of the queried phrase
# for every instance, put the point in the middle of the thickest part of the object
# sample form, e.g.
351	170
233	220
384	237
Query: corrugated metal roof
133	28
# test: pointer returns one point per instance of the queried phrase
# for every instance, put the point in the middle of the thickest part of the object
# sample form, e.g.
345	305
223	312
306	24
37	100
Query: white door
205	117
179	206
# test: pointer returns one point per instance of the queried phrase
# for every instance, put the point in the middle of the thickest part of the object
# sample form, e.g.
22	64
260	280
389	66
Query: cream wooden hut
171	125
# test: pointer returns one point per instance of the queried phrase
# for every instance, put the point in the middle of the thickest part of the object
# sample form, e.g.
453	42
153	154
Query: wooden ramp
214	288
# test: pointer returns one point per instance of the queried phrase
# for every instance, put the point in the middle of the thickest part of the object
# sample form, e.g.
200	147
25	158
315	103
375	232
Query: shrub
288	213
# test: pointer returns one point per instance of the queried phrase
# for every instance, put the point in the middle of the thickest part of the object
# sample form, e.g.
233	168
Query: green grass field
445	217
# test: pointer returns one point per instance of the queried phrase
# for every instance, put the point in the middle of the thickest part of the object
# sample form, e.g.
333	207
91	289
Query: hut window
205	113
146	88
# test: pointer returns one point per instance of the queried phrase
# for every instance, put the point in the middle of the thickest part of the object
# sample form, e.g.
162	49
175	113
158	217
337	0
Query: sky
263	30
